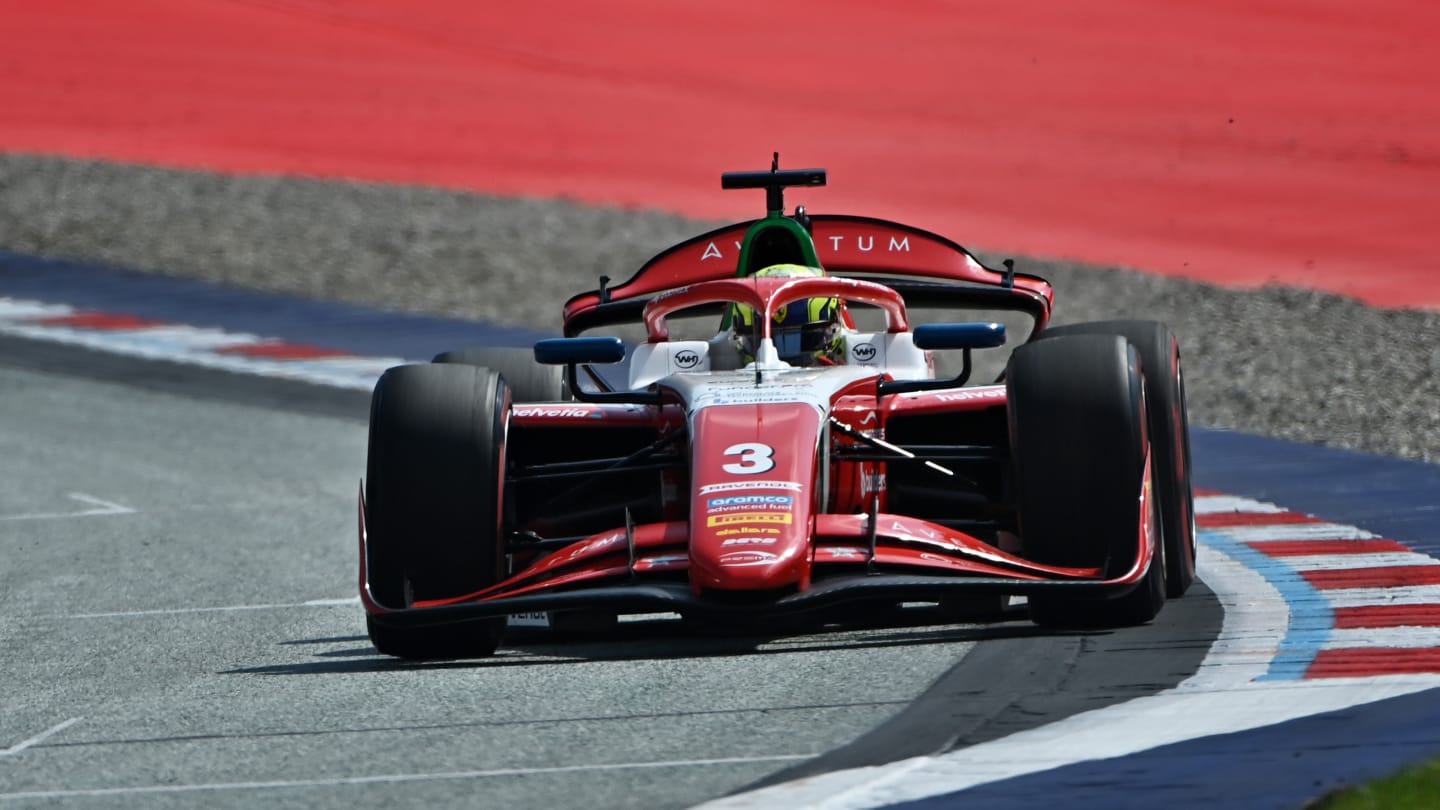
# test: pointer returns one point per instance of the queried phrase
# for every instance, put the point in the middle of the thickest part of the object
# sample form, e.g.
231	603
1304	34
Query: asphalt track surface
203	628
181	628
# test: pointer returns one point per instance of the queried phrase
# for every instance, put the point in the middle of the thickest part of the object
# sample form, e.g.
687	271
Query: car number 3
754	458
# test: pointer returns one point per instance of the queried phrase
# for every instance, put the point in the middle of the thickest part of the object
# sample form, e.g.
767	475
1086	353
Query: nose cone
753	468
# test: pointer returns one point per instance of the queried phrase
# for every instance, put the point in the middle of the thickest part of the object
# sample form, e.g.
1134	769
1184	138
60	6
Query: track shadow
330	640
655	640
375	662
674	640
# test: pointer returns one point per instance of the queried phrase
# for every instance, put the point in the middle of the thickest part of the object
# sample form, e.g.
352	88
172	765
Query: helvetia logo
559	413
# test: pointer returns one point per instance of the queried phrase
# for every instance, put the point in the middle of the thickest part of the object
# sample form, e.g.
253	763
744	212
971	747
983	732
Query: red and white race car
799	454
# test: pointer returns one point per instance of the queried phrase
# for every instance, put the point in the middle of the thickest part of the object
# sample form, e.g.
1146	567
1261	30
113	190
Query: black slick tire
433	480
1169	436
1078	441
528	380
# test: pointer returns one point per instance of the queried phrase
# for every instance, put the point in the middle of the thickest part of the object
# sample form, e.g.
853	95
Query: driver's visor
807	340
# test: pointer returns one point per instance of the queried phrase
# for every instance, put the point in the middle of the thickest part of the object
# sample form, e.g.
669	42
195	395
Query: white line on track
1404	595
347	601
12	308
1296	531
388	778
1221	504
41	737
99	507
1408	638
1335	562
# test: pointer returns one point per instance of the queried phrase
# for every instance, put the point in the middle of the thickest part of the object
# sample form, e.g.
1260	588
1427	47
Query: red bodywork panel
837	540
750	508
845	245
589	414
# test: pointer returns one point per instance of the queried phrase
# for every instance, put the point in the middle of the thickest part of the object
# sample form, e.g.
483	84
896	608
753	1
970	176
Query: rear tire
528	380
1169	425
433	479
1078	442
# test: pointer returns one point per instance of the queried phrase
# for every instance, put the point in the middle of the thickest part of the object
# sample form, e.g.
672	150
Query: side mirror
959	335
965	336
565	351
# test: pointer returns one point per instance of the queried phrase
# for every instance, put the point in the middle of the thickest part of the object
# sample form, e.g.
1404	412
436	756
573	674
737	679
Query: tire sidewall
1168	418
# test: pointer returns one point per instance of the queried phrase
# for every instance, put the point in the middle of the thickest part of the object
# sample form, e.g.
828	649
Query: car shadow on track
654	640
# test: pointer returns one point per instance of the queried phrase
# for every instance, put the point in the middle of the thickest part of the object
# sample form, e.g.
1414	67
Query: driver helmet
806	332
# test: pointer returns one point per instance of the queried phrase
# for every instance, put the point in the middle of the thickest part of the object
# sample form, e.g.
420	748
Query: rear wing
927	269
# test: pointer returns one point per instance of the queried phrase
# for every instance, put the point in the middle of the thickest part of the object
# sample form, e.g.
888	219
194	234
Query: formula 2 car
756	471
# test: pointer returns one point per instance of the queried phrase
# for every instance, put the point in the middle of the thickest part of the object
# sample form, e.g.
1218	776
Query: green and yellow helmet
806	332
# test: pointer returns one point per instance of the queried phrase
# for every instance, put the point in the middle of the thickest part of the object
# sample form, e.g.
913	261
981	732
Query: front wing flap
985	570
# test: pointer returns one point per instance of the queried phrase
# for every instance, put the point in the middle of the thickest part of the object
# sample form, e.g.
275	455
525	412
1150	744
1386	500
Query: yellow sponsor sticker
749	517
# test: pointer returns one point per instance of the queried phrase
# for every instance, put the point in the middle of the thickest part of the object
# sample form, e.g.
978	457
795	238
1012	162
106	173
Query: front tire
1079	442
528	380
433	480
1169	424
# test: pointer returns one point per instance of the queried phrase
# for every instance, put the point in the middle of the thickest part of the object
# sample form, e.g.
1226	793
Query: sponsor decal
596	544
844	553
687	359
749	517
718	510
863	352
731	486
750	530
672	293
866	243
755	458
750	500
739	558
797	386
712	251
937	558
862	242
924	534
994	392
919	531
871	483
540	619
558	413
756	396
749	540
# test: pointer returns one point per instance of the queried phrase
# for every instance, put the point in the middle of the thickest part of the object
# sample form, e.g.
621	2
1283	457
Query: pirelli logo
749	517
